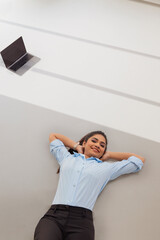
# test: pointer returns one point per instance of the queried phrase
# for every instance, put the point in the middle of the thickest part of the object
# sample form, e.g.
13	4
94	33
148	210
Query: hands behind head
106	156
80	149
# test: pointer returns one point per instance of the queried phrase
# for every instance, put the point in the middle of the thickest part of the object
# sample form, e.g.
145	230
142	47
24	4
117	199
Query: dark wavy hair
85	138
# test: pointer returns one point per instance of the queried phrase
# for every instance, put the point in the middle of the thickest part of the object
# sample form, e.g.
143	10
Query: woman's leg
48	230
50	227
84	234
79	228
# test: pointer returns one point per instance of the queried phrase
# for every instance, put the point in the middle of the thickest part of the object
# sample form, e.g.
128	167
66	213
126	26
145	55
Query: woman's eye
93	140
102	146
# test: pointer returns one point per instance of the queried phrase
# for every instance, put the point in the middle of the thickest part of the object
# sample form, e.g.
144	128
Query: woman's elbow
52	137
140	157
143	159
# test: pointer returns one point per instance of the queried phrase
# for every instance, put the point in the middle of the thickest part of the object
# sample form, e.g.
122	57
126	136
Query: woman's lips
95	149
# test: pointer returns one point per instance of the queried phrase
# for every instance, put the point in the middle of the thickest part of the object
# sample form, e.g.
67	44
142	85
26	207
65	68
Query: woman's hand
106	156
80	149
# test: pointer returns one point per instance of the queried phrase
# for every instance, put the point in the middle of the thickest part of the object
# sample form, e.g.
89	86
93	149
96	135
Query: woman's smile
95	146
95	149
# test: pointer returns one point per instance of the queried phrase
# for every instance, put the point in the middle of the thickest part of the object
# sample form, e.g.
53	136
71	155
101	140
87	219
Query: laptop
15	55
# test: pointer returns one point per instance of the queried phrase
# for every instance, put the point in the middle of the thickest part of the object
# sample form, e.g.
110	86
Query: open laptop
15	55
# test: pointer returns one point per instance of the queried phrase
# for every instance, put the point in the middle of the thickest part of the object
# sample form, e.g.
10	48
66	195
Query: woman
83	175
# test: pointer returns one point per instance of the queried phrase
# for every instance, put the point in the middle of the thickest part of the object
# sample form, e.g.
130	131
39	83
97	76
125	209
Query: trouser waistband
73	209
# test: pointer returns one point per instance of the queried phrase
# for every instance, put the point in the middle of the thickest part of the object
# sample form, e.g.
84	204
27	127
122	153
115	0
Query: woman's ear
83	144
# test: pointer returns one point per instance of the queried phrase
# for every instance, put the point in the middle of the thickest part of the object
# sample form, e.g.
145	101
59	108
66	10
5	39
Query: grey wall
128	207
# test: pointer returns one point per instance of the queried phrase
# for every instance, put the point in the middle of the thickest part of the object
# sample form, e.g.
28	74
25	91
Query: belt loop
84	213
55	208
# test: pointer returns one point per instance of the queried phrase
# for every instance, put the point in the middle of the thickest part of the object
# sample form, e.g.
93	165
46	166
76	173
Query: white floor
106	51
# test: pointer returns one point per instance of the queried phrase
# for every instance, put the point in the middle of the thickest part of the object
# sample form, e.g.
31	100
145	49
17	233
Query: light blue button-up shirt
82	180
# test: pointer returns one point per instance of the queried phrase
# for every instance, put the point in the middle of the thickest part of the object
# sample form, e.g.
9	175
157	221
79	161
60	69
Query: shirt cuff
56	142
138	162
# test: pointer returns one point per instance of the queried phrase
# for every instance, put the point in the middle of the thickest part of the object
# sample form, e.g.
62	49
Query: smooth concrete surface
128	207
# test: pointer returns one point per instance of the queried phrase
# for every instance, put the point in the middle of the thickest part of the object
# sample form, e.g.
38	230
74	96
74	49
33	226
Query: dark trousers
63	222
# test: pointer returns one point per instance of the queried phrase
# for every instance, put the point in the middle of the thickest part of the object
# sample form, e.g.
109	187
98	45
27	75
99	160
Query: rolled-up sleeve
131	165
58	150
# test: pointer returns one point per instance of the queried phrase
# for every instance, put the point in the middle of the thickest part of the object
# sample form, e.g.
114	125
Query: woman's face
95	146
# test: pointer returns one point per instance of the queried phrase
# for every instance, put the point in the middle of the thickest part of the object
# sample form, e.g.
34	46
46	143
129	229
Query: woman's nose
97	145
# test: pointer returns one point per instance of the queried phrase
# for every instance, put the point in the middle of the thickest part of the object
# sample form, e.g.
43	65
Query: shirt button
78	171
74	185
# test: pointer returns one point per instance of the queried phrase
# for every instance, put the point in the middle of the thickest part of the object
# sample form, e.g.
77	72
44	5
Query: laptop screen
13	52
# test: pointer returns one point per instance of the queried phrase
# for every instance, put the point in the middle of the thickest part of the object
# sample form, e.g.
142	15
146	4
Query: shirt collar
83	156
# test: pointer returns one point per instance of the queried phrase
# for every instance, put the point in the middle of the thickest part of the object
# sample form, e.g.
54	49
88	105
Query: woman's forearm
66	141
123	155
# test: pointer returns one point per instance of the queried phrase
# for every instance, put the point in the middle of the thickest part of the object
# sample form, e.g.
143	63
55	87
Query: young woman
83	175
